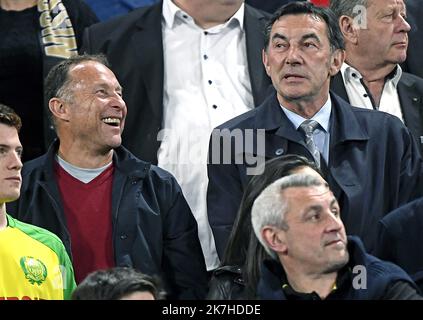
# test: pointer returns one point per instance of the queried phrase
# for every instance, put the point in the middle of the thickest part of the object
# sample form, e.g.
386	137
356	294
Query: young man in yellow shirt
34	264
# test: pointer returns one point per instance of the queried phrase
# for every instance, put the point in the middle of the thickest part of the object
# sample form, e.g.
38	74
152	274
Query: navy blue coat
400	239
380	277
153	227
374	165
410	93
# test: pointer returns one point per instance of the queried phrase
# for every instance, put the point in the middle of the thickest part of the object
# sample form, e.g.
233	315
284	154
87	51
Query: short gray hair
270	207
347	7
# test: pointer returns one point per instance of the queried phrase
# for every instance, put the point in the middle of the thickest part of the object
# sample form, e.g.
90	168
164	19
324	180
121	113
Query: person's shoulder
375	267
375	119
243	121
248	119
410	79
34	165
406	215
257	13
39	234
128	161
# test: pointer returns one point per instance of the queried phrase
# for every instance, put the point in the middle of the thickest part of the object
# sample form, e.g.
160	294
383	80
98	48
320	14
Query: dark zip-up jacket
153	227
382	280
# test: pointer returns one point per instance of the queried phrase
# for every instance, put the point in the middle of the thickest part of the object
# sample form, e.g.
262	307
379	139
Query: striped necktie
308	127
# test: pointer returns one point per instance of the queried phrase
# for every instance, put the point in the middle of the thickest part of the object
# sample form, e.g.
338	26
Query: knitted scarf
57	34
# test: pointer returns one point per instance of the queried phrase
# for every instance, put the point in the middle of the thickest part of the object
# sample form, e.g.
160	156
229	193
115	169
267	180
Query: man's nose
403	25
15	161
293	55
334	223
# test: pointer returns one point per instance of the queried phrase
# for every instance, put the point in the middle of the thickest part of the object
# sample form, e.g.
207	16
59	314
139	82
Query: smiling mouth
111	121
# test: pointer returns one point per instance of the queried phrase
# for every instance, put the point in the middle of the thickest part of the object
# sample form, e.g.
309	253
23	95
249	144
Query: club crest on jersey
35	271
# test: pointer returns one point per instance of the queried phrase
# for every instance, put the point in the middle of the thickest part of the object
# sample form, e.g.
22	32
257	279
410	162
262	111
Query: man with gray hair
376	40
369	159
297	220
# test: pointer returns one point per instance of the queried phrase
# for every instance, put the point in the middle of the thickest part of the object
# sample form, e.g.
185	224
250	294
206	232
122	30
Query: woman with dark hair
240	267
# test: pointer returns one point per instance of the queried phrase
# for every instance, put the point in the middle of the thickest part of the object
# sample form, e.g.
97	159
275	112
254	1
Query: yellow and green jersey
34	264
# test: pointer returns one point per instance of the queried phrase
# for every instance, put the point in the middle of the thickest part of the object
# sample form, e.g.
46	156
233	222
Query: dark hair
9	117
115	283
57	80
58	77
243	248
335	37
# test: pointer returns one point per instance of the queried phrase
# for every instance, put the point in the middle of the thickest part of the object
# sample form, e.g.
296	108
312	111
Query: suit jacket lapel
147	41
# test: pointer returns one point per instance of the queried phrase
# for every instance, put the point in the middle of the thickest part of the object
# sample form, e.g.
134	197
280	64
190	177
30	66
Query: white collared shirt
359	97
206	83
321	136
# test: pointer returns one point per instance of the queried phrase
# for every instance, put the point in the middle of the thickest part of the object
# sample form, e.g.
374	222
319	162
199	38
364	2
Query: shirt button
185	16
123	236
279	152
210	82
214	106
365	95
206	33
354	75
205	57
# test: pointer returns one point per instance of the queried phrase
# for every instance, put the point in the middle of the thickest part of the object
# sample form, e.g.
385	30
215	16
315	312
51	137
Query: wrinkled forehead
386	4
91	73
89	69
309	196
299	25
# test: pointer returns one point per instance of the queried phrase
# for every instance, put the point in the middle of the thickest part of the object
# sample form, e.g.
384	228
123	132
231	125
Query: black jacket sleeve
183	260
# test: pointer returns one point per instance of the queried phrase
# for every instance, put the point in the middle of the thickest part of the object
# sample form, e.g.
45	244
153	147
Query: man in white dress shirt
376	41
186	66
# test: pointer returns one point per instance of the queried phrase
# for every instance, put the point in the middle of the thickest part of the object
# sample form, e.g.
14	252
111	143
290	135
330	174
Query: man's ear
349	29
275	239
59	109
265	61
336	61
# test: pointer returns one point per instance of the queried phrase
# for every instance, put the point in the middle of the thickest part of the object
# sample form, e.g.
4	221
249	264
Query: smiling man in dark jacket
108	207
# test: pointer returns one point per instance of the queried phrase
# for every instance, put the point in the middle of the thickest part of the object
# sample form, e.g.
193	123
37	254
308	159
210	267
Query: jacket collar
124	162
273	274
344	124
